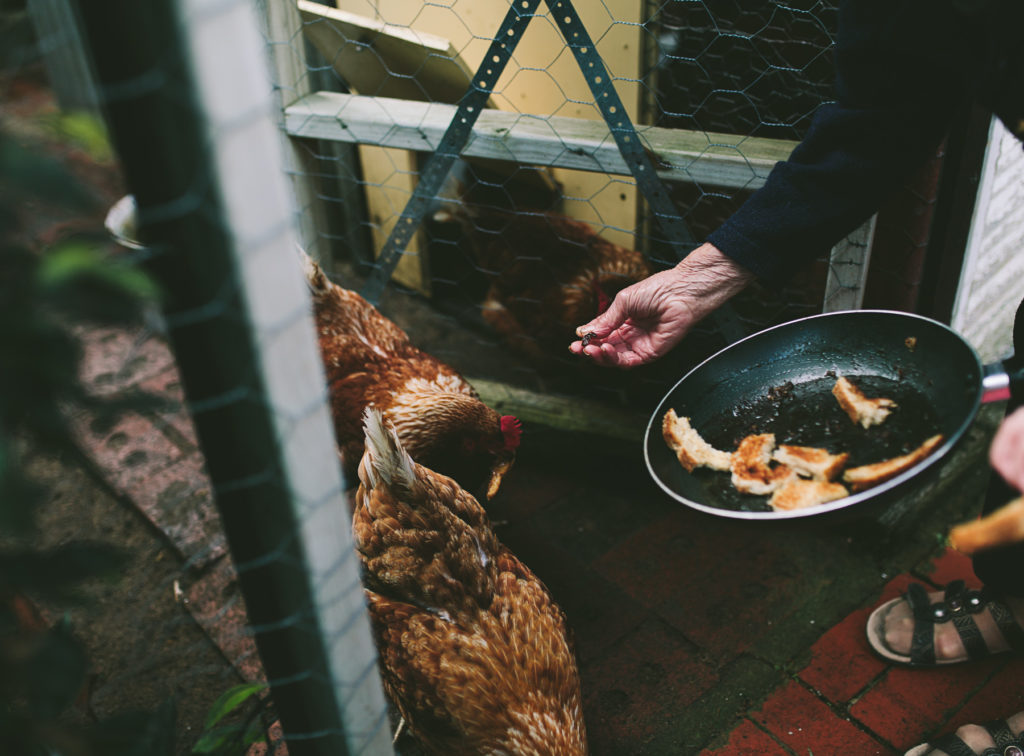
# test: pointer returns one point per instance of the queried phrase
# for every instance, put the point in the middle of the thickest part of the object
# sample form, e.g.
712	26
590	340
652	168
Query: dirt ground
143	646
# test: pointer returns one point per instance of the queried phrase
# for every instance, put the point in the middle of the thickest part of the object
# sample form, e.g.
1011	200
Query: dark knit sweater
903	69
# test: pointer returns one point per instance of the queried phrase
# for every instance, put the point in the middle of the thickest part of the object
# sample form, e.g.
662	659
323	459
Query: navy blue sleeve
899	78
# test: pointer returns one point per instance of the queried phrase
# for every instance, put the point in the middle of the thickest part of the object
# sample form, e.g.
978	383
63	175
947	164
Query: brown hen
370	362
474	653
548	273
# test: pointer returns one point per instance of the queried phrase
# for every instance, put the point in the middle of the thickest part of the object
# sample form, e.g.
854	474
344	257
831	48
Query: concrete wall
992	282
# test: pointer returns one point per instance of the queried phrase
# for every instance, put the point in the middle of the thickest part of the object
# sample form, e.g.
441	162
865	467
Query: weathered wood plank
375	58
848	269
281	24
390	180
561	412
719	160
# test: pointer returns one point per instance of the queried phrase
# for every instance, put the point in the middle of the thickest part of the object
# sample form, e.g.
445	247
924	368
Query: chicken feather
474	652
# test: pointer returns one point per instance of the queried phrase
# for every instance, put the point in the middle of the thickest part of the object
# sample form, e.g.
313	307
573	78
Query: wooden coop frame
393	122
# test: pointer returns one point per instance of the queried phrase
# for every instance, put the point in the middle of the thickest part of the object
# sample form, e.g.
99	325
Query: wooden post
282	28
848	269
197	135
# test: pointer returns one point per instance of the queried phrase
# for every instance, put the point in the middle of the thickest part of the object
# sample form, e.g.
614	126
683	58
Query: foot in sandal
998	738
947	627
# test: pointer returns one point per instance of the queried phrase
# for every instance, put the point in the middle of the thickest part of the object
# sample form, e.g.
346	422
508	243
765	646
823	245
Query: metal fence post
187	100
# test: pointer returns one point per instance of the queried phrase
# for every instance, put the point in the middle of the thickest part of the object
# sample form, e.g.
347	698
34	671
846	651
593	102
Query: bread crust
811	462
866	476
999	528
858	407
752	472
690	448
800	493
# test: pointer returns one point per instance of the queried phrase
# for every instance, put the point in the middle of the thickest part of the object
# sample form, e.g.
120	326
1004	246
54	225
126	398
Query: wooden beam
848	269
378	59
281	24
715	160
561	412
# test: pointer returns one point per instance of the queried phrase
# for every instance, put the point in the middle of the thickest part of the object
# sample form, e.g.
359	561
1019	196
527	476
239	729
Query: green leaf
76	262
218	740
231	700
84	130
233	739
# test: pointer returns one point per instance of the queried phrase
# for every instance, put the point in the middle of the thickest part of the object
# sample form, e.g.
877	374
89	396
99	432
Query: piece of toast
691	449
752	472
999	528
811	462
799	493
866	476
861	410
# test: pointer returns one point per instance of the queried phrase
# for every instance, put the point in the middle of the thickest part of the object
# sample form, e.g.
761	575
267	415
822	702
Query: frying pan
779	381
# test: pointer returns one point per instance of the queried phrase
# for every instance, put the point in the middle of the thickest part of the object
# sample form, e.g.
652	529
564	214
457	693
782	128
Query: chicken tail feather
315	276
384	458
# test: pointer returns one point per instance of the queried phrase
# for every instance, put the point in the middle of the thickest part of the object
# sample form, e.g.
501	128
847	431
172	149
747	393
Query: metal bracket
452	143
457	135
622	129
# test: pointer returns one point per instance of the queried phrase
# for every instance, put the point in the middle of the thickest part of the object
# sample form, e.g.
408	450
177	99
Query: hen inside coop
538	218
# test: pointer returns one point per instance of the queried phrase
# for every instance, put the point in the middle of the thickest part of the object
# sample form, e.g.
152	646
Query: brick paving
695	635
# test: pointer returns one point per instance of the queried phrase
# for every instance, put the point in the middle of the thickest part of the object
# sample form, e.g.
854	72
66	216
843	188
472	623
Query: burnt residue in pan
807	414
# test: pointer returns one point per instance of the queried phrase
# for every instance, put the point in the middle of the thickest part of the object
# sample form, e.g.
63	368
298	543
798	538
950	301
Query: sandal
960	606
1006	743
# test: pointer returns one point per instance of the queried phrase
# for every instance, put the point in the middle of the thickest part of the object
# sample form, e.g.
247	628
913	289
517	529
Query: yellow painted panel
543	79
390	177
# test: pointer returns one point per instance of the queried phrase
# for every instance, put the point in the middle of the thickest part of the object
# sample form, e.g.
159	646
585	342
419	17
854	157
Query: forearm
706	278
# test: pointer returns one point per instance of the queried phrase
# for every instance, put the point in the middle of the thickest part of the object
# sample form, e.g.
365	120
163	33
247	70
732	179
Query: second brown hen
548	273
474	653
370	362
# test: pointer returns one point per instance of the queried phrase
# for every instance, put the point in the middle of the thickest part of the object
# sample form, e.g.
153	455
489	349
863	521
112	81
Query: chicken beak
497	472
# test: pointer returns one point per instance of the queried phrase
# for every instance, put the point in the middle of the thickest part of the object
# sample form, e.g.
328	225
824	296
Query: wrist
711	274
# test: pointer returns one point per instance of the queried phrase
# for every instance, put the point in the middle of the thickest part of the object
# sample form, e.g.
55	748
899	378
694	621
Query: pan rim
847	501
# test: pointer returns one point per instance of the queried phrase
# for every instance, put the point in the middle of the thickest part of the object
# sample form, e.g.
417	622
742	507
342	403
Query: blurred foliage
234	738
44	296
81	129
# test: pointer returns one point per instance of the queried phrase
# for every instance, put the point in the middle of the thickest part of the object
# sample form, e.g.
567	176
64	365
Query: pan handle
1003	380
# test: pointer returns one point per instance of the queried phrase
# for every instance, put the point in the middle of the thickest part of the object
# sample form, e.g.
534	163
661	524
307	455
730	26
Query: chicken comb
512	430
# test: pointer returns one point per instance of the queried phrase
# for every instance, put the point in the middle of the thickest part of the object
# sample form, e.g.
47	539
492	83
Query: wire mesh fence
269	571
488	197
542	213
716	93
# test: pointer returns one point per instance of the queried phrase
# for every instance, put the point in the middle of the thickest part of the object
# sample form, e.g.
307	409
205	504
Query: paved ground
696	635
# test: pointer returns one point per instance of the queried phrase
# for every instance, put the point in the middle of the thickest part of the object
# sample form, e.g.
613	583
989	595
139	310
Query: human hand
1006	453
649	318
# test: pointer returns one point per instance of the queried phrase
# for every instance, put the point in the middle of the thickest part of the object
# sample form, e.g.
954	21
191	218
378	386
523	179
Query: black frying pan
780	381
